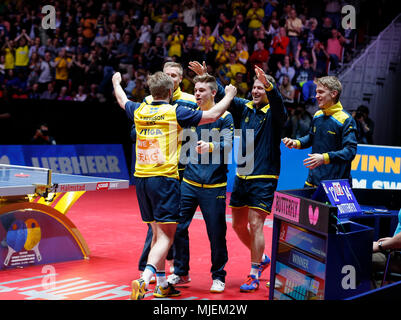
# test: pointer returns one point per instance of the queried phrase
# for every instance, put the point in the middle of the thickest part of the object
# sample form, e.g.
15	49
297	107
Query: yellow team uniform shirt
255	17
203	39
175	45
62	69
9	60
158	141
22	56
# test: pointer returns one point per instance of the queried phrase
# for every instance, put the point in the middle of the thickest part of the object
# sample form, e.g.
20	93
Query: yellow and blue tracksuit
255	189
204	185
158	142
333	134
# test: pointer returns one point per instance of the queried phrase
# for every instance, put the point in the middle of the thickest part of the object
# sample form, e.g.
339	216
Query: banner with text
374	167
99	160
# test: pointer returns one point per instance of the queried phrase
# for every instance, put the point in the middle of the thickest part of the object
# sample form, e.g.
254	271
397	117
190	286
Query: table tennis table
34	227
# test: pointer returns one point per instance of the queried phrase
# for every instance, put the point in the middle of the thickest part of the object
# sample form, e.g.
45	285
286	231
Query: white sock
255	269
161	279
148	273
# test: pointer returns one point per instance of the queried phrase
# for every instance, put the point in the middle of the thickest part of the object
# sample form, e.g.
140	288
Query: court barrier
374	167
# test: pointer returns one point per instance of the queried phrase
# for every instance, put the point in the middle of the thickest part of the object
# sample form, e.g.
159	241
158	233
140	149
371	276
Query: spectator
163	28
279	45
223	55
35	47
69	47
320	58
240	28
125	53
325	30
82	47
333	11
365	125
101	36
175	42
335	48
287	91
34	93
254	16
285	69
49	94
89	25
139	92
63	95
9	52
22	52
241	85
189	13
294	27
260	56
62	64
241	53
304	72
228	37
113	33
157	55
310	33
81	95
46	71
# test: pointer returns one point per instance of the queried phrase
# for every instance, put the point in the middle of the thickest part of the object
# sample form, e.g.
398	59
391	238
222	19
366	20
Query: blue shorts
253	193
158	199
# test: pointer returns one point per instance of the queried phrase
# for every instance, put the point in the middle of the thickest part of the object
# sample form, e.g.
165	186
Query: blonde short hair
207	78
332	83
172	64
160	84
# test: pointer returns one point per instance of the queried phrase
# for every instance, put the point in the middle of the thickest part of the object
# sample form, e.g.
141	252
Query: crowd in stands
294	41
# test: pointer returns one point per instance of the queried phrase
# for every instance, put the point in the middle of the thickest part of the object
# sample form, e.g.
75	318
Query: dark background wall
69	122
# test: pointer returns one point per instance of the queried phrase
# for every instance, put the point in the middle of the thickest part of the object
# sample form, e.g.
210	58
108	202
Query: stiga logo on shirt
151	132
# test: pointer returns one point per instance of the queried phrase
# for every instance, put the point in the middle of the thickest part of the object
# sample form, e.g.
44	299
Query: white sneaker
217	286
176	279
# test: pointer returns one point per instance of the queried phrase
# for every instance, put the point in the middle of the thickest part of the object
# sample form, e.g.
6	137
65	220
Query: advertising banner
100	160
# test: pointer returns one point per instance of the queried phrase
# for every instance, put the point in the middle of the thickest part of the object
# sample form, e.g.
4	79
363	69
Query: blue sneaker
251	284
263	265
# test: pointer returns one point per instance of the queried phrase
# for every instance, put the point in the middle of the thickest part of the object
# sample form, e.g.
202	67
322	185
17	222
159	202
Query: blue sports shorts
158	199
253	193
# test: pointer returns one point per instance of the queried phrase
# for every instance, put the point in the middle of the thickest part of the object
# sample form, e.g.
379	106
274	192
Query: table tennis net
13	174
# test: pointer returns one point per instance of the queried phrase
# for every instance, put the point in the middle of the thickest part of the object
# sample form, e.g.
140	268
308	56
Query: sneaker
152	280
251	284
170	291
263	265
176	279
218	286
138	289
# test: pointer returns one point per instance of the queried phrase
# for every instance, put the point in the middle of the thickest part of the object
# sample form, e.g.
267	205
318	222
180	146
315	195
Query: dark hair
363	109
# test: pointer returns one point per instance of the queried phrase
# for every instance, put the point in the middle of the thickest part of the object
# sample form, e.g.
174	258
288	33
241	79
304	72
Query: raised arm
118	90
